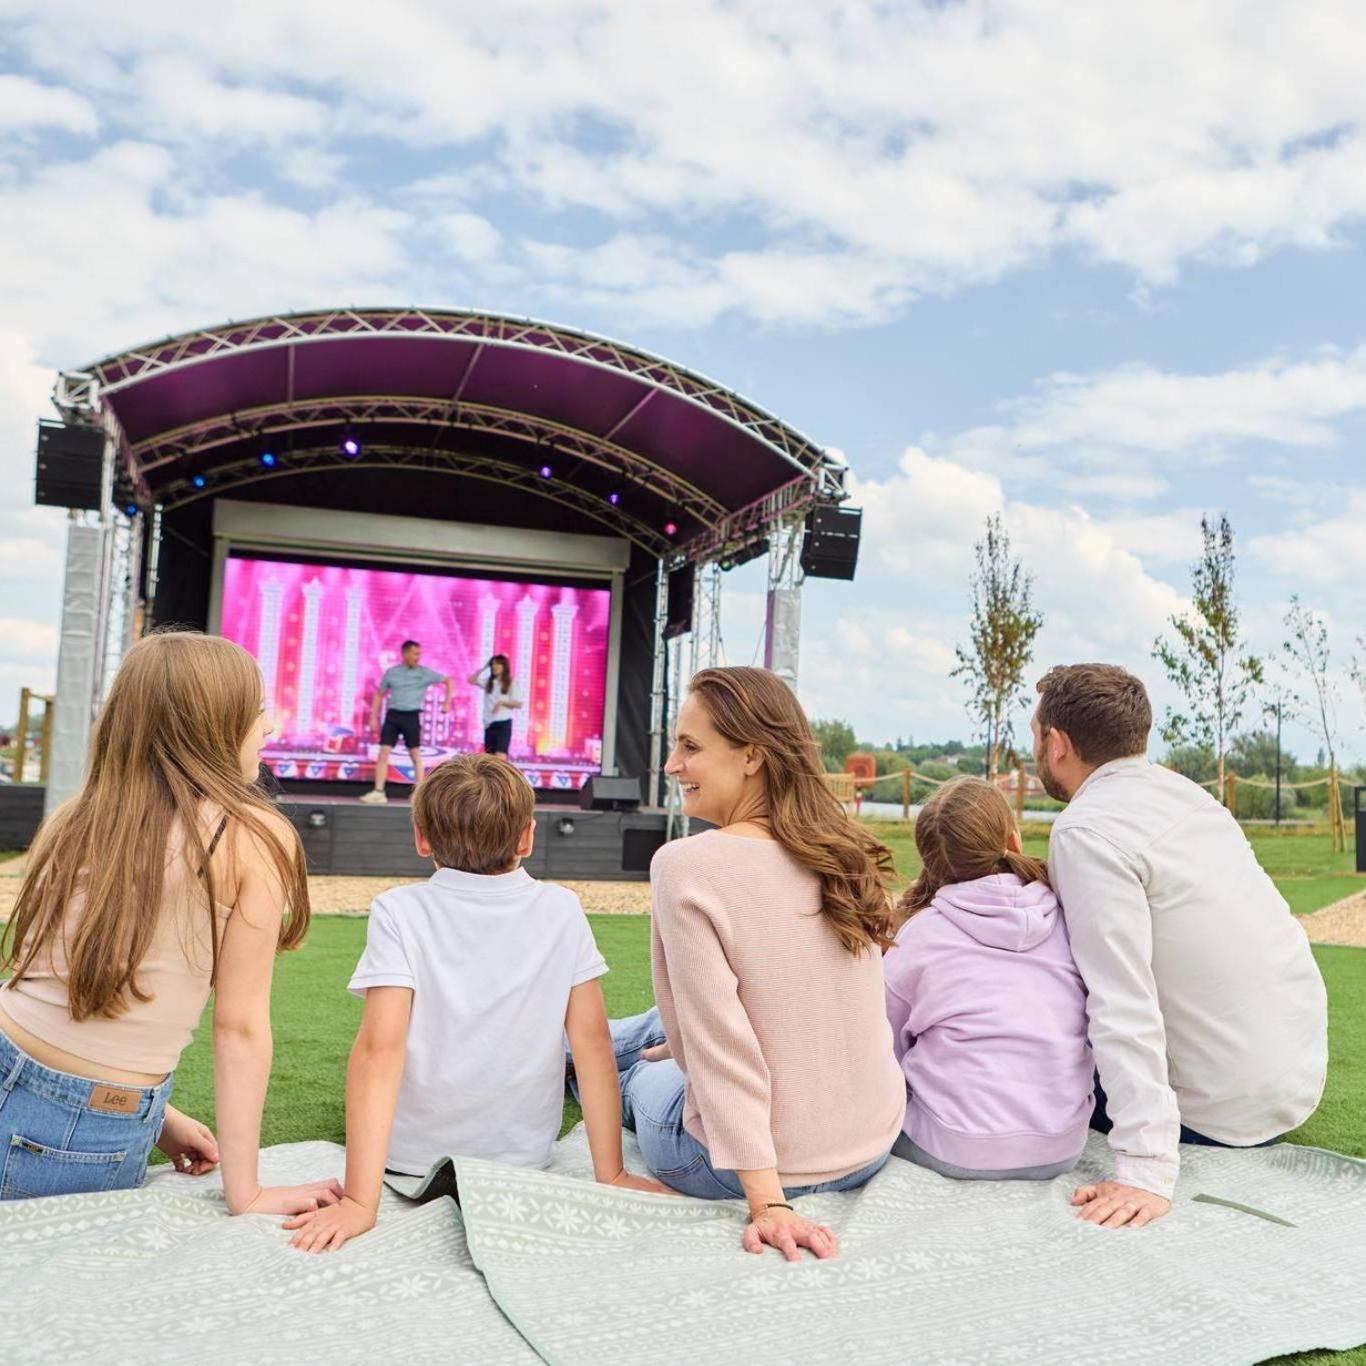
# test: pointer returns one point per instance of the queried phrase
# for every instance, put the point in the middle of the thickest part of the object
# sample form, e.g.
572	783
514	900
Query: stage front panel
324	634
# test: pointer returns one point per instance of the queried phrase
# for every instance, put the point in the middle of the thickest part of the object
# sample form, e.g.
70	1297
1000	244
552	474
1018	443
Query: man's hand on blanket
189	1144
1112	1205
787	1231
325	1230
629	1181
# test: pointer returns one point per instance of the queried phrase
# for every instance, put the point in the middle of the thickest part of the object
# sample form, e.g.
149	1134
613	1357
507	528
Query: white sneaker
374	797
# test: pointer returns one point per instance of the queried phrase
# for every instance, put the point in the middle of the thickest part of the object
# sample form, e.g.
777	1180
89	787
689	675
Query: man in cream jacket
1207	1013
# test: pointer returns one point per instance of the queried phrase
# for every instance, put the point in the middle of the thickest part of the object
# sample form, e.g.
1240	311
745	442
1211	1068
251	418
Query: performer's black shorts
405	724
498	737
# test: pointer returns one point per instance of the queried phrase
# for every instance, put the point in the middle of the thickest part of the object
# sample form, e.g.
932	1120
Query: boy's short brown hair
472	810
1103	709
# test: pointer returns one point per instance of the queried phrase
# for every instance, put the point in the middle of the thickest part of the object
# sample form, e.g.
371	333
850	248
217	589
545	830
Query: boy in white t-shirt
471	981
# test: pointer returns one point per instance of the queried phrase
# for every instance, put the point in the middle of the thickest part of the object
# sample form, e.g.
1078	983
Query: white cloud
1325	553
876	152
27	104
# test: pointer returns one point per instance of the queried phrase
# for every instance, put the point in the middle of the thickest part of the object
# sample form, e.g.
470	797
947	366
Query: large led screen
325	633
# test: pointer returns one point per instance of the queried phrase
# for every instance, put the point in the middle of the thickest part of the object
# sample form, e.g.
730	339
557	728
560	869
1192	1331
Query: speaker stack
830	549
69	466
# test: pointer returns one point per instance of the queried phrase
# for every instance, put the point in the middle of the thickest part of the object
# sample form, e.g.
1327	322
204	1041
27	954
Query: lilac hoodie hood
988	1016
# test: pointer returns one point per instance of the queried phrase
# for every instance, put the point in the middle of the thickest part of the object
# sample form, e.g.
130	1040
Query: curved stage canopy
616	437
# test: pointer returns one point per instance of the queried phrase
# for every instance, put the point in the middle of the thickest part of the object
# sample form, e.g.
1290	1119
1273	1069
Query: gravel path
1344	922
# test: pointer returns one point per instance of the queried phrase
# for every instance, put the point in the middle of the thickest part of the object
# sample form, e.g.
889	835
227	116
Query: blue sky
1096	267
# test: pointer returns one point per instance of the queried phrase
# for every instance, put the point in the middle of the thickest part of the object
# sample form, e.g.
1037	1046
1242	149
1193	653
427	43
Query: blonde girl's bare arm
242	1046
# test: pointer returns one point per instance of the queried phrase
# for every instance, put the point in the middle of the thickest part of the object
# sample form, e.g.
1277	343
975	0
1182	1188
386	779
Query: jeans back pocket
35	1169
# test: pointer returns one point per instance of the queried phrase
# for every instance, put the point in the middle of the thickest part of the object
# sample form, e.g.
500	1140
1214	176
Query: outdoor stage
321	486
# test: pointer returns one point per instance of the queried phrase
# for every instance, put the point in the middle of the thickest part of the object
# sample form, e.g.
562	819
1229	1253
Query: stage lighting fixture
198	481
317	820
545	471
670	528
743	554
268	460
350	446
614	498
131	509
564	826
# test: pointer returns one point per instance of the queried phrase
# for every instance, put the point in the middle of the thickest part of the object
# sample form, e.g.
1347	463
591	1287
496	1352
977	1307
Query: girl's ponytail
961	834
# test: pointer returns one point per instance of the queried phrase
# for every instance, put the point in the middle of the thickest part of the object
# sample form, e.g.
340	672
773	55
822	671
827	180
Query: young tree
1004	624
1205	660
1314	695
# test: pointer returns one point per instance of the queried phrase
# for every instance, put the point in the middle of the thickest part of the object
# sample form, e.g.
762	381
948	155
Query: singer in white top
501	698
1208	1016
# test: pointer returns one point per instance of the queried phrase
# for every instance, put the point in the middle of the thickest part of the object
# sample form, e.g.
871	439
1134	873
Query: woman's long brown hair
755	707
961	833
166	753
504	683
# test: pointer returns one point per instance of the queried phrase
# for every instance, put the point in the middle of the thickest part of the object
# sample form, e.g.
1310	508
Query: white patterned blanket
931	1271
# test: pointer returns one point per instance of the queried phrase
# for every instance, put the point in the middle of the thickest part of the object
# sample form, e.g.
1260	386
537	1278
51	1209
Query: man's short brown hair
472	810
1103	709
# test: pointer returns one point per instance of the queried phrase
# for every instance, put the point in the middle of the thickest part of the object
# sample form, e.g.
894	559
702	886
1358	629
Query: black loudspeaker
830	550
680	587
638	847
601	793
69	465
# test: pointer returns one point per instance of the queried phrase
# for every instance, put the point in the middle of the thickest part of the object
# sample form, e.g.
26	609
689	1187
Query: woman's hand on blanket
189	1144
314	1195
788	1232
325	1230
1112	1205
656	1053
629	1181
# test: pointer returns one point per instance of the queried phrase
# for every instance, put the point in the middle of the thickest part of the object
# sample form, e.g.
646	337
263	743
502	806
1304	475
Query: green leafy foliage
1004	624
1204	659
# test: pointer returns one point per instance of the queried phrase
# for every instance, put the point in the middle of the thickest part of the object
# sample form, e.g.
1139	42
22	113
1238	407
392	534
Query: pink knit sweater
780	1030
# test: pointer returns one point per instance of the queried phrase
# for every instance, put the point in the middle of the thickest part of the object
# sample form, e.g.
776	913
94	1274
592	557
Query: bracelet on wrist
771	1204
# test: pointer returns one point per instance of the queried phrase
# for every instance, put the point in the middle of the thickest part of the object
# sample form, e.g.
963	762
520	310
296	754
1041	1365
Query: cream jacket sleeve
1110	924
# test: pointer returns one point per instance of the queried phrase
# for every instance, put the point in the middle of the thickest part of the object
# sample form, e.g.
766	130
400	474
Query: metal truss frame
488	329
221	479
706	618
261	424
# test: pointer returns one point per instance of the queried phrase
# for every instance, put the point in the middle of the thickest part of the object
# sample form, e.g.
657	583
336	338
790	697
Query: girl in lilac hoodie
987	1009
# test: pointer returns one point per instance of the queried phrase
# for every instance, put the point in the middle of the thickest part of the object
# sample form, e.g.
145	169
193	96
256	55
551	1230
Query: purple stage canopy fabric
489	396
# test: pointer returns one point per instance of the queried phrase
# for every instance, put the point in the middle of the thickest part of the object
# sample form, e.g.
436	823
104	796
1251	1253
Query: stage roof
472	394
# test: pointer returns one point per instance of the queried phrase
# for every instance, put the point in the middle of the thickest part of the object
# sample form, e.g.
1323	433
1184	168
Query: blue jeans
1100	1122
67	1135
652	1096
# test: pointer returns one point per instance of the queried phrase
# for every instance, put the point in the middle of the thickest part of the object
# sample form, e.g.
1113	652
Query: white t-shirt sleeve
588	961
385	961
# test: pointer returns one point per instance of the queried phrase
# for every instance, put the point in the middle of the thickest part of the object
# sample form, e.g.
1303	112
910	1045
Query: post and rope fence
852	788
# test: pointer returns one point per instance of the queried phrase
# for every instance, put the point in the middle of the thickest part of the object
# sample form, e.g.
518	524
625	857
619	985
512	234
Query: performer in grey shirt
407	685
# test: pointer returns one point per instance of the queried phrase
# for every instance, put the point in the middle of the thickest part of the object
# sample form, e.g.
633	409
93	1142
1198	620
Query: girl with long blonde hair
766	1070
168	875
987	1008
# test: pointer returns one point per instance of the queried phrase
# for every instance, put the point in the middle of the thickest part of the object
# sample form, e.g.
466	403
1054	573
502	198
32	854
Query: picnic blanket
930	1271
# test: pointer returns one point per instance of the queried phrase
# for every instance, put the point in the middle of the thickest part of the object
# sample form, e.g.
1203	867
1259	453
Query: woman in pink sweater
987	1009
770	1072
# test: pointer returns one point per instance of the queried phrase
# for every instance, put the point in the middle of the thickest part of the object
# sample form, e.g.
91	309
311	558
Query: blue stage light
268	460
198	481
614	498
350	446
545	471
131	509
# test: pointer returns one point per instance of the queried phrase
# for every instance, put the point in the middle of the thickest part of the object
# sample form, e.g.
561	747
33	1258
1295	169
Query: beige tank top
150	1035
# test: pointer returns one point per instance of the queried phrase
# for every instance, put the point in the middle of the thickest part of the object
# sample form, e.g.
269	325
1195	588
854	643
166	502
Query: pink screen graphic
324	634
